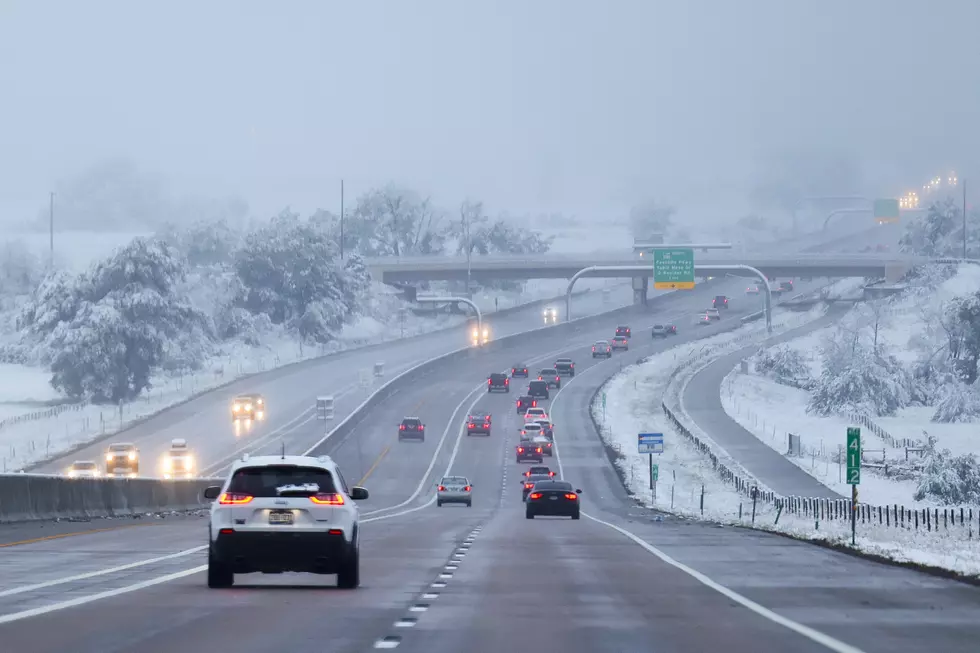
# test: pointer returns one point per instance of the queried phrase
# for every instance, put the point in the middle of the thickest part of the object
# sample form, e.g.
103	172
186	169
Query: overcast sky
528	104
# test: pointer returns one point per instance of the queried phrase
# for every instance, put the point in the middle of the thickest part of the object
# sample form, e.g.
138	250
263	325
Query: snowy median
691	485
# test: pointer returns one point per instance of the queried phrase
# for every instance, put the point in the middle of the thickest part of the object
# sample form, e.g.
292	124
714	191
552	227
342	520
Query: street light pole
341	219
964	218
51	229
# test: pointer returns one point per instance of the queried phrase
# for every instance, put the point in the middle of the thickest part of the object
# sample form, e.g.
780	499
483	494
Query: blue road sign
650	442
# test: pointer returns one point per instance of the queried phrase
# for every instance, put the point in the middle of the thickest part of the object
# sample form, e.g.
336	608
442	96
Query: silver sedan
455	489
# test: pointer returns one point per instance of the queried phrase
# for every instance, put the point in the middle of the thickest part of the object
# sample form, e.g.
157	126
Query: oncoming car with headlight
83	469
178	461
480	335
278	514
122	459
550	315
248	407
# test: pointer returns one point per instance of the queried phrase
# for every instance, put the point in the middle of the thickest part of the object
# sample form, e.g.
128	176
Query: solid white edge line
82	600
100	572
813	635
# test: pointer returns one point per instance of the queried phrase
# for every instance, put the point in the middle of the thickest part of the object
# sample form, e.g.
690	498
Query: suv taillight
331	499
466	489
401	427
442	488
234	498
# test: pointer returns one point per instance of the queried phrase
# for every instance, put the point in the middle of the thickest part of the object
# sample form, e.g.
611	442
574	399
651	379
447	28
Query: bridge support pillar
641	287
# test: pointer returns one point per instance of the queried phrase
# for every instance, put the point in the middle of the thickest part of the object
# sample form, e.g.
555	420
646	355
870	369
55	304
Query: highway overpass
550	266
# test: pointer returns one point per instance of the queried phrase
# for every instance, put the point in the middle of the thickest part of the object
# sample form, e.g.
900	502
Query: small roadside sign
656	472
853	455
650	442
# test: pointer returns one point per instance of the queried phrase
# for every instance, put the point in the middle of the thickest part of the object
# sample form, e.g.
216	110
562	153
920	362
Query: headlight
188	462
248	407
259	402
167	464
109	457
486	333
72	473
236	408
132	455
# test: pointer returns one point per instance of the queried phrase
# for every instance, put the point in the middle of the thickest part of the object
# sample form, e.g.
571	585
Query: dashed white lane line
388	642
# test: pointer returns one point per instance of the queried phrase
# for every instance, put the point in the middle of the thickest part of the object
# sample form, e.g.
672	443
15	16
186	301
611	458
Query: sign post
886	211
854	474
603	407
673	269
651	443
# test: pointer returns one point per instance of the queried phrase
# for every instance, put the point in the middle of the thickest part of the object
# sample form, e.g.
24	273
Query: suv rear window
497	376
267	480
539	386
412	422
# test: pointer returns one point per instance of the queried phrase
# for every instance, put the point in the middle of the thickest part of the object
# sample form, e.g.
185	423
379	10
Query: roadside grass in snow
690	487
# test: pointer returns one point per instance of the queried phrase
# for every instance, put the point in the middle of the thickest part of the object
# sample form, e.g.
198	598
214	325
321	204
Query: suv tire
349	576
220	574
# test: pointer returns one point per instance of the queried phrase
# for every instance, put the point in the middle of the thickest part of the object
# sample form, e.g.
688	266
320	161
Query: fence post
755	495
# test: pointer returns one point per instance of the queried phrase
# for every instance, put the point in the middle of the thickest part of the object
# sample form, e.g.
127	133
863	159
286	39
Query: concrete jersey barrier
34	497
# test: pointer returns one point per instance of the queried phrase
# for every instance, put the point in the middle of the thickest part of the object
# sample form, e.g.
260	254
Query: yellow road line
63	535
375	465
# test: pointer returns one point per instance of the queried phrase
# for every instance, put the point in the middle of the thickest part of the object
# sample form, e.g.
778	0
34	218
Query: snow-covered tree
56	299
856	379
392	221
291	271
940	232
957	402
204	243
948	479
784	365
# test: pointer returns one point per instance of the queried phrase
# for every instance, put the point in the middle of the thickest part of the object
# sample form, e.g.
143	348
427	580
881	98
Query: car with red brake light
752	290
720	301
620	342
534	413
601	348
663	330
519	370
538	389
713	313
285	513
547	428
551	498
498	381
454	489
478	425
524	403
565	367
550	376
703	319
527	452
624	331
527	484
411	428
539	469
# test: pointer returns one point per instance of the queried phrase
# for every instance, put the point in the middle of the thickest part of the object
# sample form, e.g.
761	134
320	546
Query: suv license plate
280	517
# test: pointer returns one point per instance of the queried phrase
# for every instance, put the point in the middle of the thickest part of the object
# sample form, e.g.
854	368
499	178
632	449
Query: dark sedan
529	483
553	499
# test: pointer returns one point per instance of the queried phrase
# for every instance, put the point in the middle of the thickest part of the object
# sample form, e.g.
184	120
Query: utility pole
964	218
465	225
341	219
51	230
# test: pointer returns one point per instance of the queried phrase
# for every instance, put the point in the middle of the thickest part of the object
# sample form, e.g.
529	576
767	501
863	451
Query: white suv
535	413
284	513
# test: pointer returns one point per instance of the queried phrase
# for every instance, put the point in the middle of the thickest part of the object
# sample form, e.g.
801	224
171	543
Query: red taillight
506	381
234	498
421	427
557	378
551	473
538	450
571	496
466	489
593	349
442	488
528	486
472	425
534	403
489	381
549	444
335	531
331	499
572	365
486	425
535	495
401	427
226	531
540	379
520	449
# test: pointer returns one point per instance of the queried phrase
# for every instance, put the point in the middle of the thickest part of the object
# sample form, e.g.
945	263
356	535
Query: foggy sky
529	105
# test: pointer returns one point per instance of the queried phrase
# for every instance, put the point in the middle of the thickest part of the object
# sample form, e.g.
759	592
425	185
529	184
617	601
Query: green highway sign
853	455
886	210
673	269
656	472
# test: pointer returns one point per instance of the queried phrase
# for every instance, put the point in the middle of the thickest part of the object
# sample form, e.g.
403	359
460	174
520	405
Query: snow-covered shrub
320	322
205	243
856	379
56	299
949	479
784	365
958	402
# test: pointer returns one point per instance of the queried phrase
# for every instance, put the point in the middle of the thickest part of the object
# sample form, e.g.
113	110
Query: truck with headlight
122	459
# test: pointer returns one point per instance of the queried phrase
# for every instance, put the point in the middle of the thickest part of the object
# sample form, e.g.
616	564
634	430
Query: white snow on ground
771	411
633	406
